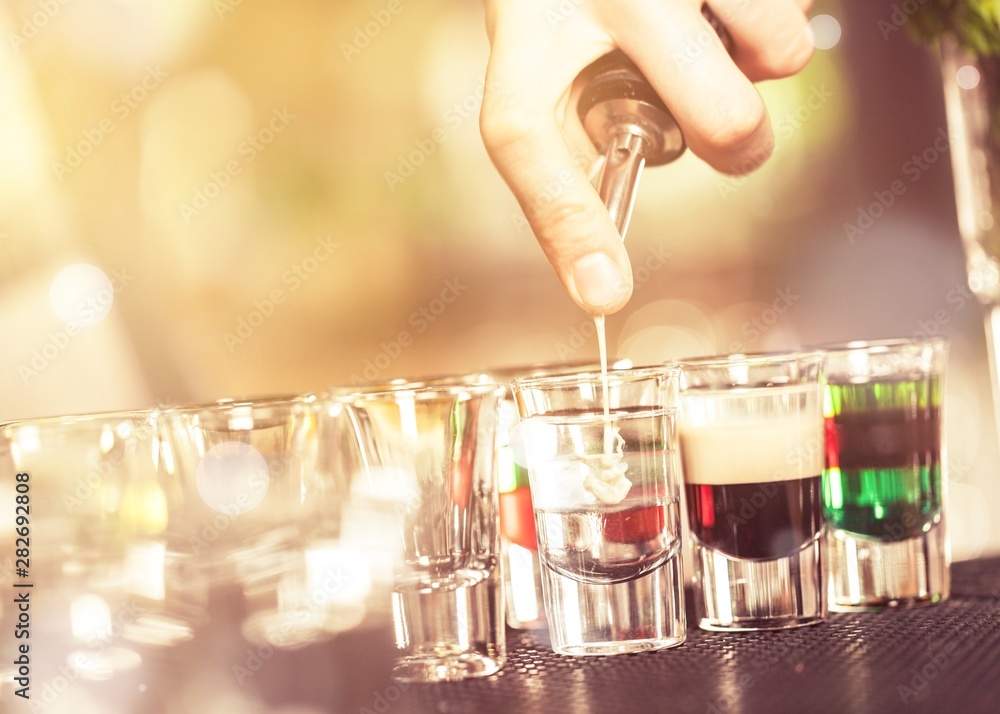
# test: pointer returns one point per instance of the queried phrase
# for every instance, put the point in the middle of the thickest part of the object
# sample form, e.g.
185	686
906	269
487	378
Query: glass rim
568	379
754	359
253	403
339	391
884	345
551	369
66	420
418	390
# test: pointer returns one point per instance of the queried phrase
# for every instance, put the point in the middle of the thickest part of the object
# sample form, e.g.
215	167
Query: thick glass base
739	594
449	633
638	615
445	667
867	574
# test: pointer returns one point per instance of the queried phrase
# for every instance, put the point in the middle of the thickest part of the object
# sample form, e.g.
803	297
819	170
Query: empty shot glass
264	516
884	484
432	447
751	439
109	592
605	493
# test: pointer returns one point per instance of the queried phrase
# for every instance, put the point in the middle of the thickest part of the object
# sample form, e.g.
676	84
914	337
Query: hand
538	49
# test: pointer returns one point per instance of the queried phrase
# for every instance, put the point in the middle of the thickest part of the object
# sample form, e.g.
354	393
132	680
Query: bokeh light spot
823	32
81	295
967	77
232	478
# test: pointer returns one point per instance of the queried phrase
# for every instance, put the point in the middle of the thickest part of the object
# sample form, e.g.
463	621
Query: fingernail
599	280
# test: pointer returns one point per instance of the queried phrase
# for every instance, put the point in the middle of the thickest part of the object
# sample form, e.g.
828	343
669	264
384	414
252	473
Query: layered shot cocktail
884	482
751	440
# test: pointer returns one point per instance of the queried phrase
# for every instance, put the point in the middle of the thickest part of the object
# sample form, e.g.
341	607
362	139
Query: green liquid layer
883	478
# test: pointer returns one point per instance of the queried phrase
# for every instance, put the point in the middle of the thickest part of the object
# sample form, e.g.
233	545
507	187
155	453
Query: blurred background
204	199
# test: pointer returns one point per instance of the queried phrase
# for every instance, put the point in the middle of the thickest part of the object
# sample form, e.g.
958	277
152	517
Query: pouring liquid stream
608	481
602	348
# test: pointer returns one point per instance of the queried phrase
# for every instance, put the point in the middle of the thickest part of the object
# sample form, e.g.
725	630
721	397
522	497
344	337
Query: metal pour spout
629	123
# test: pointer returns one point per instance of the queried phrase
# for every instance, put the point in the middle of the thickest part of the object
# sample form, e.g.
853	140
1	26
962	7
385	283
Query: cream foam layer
740	452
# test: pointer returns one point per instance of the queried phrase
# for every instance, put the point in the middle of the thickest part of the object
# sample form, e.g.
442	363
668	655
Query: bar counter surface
939	659
942	658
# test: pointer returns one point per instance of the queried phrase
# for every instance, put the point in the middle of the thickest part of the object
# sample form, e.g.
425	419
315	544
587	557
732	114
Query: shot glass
751	439
103	587
432	447
605	493
265	517
884	483
522	570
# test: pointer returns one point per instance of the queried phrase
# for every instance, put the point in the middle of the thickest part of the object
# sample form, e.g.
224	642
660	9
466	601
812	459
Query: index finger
523	137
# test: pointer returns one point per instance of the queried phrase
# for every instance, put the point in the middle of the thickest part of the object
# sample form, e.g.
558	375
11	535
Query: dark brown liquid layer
883	476
756	520
885	439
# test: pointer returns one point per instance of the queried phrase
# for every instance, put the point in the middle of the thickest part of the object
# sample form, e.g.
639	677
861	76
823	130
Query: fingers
770	39
522	135
710	93
723	118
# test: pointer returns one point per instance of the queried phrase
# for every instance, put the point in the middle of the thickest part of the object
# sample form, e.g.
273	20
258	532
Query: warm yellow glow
168	456
26	441
407	415
241	418
107	439
144	508
337	572
144	569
